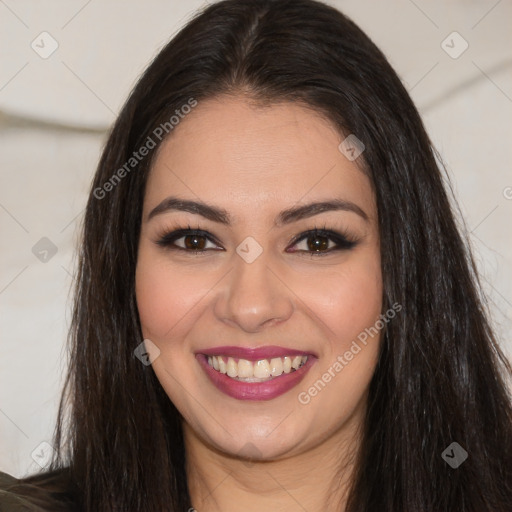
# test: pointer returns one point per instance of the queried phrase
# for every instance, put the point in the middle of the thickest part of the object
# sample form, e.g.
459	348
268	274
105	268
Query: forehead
228	149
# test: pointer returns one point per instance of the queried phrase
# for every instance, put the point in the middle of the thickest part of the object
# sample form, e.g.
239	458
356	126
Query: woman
268	216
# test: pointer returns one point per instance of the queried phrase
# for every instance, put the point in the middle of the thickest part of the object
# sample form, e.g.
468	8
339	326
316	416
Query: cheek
348	304
347	300
164	296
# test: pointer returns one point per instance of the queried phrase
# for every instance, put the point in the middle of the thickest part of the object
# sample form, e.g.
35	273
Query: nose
254	295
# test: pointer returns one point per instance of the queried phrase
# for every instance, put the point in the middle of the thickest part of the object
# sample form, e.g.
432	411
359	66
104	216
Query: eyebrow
287	216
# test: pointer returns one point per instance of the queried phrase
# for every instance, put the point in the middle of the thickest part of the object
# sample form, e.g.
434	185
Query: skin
255	162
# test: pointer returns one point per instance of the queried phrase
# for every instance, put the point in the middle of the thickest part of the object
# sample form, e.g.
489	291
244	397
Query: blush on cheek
166	300
157	310
348	304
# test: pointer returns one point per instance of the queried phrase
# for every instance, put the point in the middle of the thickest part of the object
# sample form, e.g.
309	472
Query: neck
317	478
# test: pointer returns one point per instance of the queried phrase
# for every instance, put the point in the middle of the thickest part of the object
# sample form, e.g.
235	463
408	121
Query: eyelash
344	242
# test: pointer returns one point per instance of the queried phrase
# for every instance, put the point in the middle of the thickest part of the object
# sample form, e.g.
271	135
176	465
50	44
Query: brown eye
189	240
319	242
194	242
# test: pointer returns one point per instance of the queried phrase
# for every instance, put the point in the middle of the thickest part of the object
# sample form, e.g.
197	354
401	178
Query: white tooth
276	367
245	368
287	365
222	365
215	362
296	362
262	369
210	360
304	359
232	368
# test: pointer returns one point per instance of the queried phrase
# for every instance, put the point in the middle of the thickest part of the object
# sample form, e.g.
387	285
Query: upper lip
254	354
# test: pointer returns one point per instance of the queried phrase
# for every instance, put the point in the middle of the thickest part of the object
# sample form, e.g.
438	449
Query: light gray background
54	113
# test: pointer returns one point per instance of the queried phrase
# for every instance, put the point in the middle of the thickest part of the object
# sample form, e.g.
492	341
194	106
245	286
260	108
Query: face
258	301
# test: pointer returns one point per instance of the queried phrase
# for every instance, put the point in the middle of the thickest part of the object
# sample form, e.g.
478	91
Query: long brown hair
441	377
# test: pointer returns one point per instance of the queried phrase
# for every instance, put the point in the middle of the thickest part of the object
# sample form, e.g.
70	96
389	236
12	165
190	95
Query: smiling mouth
261	370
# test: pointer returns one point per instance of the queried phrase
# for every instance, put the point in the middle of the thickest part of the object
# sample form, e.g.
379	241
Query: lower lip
266	390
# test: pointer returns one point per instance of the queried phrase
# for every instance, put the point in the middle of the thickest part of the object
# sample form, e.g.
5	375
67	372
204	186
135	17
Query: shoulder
9	499
37	493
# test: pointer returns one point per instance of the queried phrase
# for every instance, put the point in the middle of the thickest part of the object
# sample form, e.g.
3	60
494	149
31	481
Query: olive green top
17	495
9	500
